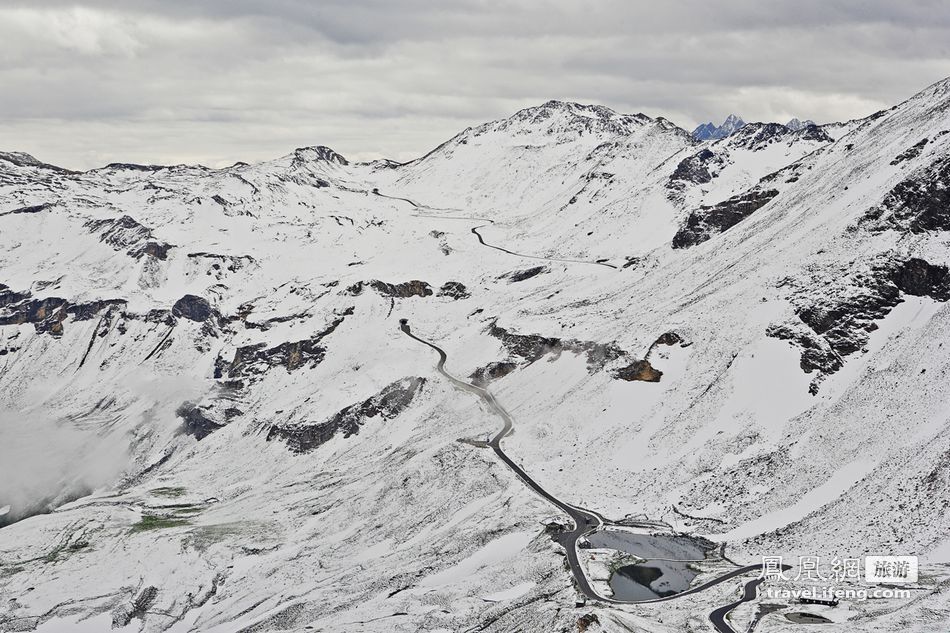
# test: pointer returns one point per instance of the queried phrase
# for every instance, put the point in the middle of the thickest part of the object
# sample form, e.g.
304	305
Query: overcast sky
86	82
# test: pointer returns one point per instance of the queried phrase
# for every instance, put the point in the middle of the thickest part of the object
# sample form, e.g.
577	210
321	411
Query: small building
829	602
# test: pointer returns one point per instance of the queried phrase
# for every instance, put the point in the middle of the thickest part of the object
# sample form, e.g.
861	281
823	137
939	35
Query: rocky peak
22	159
710	131
796	125
567	117
319	152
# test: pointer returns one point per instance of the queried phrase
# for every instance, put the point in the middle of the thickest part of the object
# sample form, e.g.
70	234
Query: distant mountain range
733	123
214	415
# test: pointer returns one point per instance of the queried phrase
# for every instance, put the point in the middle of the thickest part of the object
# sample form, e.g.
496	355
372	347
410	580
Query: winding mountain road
481	239
749	592
585	521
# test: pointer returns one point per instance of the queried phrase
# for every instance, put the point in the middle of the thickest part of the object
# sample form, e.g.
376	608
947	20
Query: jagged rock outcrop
48	314
532	347
917	204
35	208
319	152
126	234
639	370
694	169
911	152
920	278
838	321
708	221
668	339
217	266
193	308
406	289
528	273
454	289
492	371
196	422
385	405
123	614
253	360
795	124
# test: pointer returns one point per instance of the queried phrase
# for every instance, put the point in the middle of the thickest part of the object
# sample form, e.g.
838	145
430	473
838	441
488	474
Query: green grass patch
156	522
168	491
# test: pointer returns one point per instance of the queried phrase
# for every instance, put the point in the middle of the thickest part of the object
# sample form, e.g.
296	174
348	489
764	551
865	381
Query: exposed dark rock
125	234
22	159
814	133
694	169
36	208
160	316
292	355
920	278
319	152
756	136
492	371
521	275
134	167
667	338
354	289
252	360
406	289
708	221
266	325
193	308
158	250
816	353
586	621
196	422
532	347
47	315
639	370
845	318
219	265
92	309
911	152
386	405
123	614
454	289
837	322
917	204
414	288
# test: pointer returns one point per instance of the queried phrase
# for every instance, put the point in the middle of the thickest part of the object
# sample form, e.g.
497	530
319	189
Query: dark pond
665	571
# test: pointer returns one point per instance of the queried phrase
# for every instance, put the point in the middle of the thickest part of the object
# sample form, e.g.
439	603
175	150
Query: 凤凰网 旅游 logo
890	569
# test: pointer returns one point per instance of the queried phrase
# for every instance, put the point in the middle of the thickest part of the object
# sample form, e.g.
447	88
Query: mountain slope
760	362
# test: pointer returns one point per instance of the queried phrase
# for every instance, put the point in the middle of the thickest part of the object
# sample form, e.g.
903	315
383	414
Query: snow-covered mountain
214	419
795	124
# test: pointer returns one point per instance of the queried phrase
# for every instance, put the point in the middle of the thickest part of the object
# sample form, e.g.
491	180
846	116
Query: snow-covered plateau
212	417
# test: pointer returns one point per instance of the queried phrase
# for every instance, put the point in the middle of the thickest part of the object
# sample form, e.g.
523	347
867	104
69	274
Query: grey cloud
221	80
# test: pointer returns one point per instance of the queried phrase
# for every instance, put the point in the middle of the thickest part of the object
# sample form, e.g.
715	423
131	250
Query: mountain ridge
749	330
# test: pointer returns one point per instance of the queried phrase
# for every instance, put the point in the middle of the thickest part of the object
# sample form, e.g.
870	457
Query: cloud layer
165	81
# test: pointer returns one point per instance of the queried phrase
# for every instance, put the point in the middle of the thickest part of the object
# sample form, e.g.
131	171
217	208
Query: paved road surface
481	240
585	521
749	592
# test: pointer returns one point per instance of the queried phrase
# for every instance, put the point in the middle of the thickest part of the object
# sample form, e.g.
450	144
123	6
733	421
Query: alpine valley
221	409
